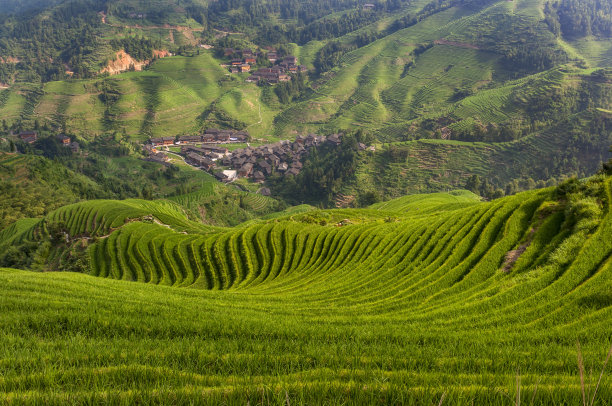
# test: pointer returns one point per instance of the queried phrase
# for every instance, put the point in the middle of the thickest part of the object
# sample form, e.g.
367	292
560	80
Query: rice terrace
409	302
306	202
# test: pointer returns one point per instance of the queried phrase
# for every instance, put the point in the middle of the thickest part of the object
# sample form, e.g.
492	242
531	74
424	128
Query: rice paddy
426	299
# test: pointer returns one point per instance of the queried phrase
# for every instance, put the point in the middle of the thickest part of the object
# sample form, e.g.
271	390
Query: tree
473	184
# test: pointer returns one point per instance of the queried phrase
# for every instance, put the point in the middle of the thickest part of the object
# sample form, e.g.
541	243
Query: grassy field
468	303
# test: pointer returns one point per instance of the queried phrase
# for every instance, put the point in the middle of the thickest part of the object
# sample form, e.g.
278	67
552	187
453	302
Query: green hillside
31	186
470	302
506	90
455	66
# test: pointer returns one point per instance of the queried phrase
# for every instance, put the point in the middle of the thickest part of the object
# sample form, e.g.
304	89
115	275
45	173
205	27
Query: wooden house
190	139
259	177
245	170
28	137
156	142
64	140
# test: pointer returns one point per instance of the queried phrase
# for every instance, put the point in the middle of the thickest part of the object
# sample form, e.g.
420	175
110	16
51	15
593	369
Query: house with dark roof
334	139
190	138
28	137
200	160
259	177
162	141
245	170
265	167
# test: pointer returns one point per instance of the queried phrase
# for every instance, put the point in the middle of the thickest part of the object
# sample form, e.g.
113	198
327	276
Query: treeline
139	48
309	19
579	18
319	30
330	55
236	13
526	45
488	190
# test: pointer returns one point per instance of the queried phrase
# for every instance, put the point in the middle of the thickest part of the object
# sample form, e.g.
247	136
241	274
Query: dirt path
226	33
195	168
260	116
190	37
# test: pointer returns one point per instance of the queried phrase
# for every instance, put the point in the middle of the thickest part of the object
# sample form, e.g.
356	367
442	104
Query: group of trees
326	170
489	133
579	18
488	190
318	30
292	90
139	48
330	55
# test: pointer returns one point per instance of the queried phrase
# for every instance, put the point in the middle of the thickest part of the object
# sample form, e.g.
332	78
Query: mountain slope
458	303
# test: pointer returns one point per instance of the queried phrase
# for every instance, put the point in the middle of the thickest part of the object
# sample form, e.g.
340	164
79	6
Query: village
210	153
279	72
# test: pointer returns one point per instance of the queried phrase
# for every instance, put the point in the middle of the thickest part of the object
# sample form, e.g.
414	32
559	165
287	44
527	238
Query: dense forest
44	47
580	18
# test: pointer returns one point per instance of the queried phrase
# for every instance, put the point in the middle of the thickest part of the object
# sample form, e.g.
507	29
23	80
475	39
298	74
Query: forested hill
45	40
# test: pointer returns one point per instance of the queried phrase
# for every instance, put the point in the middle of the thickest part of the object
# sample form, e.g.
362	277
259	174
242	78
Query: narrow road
260	117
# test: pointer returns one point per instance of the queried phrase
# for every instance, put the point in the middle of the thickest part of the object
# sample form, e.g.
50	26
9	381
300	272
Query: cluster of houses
278	73
154	155
243	64
256	163
210	136
204	156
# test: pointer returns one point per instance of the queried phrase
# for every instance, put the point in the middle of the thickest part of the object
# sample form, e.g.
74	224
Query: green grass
286	311
431	202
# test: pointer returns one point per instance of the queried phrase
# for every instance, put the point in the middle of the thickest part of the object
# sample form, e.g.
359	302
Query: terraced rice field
469	302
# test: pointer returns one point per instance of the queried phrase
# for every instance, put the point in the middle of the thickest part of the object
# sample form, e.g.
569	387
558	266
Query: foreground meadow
442	300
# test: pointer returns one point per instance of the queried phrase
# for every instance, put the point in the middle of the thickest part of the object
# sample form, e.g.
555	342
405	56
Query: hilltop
417	299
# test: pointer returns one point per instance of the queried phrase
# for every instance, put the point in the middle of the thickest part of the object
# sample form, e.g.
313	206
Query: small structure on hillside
64	140
28	137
